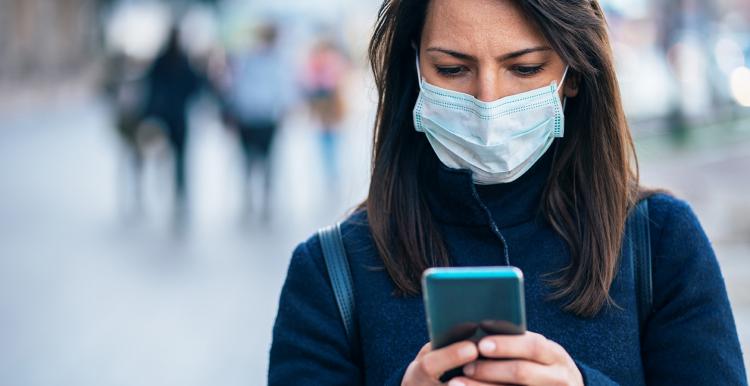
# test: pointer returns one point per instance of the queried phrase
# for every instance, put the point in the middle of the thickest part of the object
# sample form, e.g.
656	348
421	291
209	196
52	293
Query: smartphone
470	303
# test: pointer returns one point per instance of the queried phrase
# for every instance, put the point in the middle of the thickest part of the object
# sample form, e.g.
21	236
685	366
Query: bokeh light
740	81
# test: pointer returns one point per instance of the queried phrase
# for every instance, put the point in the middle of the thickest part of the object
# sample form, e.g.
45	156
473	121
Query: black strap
640	247
341	278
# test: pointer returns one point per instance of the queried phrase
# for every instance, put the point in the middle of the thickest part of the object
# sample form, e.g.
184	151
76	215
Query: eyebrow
502	58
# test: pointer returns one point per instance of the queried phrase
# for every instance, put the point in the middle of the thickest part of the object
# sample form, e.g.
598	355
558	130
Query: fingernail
487	346
469	369
466	352
456	382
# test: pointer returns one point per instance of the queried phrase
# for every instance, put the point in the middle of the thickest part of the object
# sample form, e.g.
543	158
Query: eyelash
455	71
450	71
527	71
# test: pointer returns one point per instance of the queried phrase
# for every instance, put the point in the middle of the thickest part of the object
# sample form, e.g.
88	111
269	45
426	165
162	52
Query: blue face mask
498	141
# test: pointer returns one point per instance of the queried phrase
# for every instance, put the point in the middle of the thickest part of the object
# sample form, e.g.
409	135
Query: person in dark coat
172	82
500	139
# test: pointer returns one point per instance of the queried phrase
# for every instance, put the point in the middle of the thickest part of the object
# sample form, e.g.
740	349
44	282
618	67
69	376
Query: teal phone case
470	303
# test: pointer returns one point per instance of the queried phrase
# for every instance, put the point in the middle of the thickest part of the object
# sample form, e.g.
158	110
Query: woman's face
488	49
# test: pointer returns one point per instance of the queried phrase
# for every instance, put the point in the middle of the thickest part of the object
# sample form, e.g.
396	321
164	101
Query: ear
570	88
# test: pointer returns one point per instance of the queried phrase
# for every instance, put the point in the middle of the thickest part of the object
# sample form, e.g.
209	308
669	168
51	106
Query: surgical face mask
498	141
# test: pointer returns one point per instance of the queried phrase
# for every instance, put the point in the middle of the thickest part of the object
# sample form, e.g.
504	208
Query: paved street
91	297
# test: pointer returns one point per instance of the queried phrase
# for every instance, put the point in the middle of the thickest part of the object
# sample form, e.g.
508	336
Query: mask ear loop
562	82
419	72
565	73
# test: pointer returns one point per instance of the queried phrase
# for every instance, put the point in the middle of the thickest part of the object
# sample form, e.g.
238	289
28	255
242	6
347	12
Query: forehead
488	26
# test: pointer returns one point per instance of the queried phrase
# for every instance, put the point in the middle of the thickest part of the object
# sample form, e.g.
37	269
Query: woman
475	164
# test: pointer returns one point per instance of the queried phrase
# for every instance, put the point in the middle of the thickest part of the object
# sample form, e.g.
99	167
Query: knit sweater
689	339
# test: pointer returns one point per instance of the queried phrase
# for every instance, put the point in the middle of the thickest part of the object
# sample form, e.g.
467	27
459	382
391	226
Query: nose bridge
489	87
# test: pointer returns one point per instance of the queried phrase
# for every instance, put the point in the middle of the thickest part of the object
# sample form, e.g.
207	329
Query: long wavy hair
594	179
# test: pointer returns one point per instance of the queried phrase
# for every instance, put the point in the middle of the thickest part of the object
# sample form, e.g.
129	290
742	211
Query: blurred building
682	63
46	39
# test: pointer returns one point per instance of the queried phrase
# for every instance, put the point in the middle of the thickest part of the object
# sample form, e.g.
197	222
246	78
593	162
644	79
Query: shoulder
663	204
673	220
355	231
681	251
357	236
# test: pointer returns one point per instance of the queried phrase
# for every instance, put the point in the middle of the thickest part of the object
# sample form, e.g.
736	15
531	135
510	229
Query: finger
530	346
521	372
437	362
464	381
424	350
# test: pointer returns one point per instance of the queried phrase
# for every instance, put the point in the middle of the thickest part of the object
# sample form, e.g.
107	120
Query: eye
450	71
527	70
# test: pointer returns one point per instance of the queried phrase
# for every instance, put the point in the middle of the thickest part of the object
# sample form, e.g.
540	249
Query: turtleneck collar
455	199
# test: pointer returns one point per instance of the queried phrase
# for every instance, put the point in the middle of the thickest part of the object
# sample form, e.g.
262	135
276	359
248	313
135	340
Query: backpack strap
340	274
640	250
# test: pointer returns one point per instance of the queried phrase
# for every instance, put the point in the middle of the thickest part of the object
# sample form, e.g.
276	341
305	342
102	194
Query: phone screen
470	303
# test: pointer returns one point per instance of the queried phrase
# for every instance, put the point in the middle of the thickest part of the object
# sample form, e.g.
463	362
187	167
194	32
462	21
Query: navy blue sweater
690	339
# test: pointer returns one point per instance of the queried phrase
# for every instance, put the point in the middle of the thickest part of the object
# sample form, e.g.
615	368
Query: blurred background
160	160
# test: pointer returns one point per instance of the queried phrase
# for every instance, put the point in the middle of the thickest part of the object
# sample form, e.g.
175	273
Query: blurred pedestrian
257	94
125	90
172	82
325	75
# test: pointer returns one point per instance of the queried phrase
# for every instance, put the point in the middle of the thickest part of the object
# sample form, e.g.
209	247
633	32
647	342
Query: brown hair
594	178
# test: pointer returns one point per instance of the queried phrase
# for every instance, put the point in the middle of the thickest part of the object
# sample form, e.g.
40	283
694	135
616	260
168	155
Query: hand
528	359
429	365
